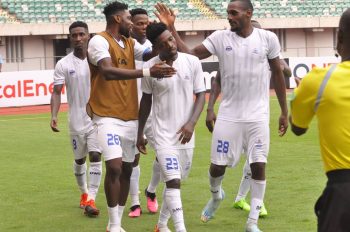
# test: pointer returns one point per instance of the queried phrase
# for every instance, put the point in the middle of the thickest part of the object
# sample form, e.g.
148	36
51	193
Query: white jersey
75	74
173	99
139	65
245	73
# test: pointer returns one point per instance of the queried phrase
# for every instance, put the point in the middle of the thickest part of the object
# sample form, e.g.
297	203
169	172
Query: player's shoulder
314	77
98	39
224	32
189	57
147	44
317	72
265	33
66	60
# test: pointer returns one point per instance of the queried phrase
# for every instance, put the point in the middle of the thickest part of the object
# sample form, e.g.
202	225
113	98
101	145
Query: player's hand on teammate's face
53	124
165	14
186	132
162	70
283	125
210	120
141	145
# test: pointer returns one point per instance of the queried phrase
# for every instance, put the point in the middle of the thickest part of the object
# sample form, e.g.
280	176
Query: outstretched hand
164	14
162	70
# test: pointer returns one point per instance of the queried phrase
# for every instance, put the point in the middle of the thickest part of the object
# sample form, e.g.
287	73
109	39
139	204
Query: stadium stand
287	8
61	11
65	11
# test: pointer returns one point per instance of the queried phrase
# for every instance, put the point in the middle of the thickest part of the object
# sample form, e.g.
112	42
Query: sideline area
30	109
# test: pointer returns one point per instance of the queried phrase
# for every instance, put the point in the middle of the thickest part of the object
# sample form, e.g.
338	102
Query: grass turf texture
38	190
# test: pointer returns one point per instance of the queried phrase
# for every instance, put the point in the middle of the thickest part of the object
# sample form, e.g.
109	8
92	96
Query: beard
125	32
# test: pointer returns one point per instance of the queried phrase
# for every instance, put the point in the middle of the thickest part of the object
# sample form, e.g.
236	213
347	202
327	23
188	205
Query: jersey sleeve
303	101
198	80
59	74
140	50
211	42
98	49
274	49
146	82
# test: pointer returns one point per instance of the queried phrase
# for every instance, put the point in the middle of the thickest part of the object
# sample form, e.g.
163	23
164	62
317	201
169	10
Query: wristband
146	72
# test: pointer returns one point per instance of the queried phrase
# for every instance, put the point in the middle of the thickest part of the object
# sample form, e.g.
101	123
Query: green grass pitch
38	190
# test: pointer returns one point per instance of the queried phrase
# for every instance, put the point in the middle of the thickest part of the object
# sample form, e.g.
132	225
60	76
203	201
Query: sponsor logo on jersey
228	48
255	51
71	72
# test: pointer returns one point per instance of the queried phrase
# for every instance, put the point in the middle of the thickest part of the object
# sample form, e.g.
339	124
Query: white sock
155	177
245	182
134	186
257	196
173	201
80	175
113	223
215	187
95	173
164	213
120	213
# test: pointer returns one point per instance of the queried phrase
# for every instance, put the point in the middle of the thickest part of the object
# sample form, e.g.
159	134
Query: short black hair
78	24
138	11
154	30
112	8
246	3
344	23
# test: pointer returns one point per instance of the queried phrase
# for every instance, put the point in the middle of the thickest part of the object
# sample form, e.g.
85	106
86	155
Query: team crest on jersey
255	51
228	48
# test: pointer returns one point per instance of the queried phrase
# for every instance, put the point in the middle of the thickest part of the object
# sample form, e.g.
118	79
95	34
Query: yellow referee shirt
330	102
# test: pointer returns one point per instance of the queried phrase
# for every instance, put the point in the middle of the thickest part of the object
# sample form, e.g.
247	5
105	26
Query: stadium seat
187	9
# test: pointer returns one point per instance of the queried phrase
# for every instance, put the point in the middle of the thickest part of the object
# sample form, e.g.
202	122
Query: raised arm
55	104
186	130
167	16
280	89
214	94
144	111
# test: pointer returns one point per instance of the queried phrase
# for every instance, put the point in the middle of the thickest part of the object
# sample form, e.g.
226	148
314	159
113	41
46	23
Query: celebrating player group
138	83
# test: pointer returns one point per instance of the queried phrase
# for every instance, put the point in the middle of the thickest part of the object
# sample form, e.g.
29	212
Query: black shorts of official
333	207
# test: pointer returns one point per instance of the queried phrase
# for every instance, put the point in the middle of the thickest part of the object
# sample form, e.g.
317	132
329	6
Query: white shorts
84	143
175	164
230	139
116	140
